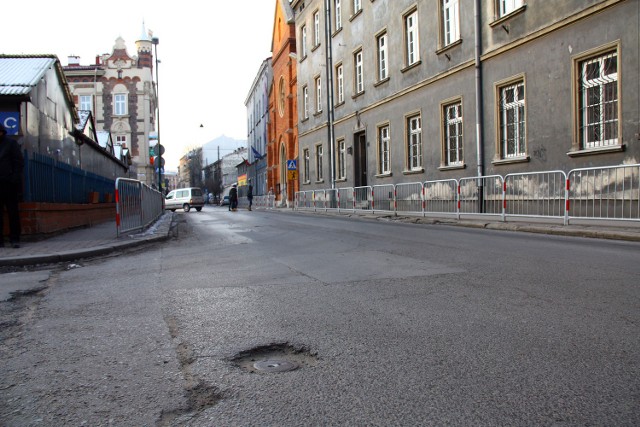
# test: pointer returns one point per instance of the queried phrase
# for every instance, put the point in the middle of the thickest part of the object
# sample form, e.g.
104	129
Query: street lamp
155	41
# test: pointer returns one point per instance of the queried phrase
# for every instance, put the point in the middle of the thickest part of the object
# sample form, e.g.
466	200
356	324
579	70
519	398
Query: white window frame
383	49
357	6
318	85
305	101
319	163
303	40
358	72
505	7
340	83
450	21
121	140
305	156
452	133
316	28
384	149
512	120
414	142
120	104
599	101
338	14
85	102
412	38
342	166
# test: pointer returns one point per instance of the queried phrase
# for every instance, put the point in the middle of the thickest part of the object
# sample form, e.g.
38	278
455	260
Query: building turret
144	47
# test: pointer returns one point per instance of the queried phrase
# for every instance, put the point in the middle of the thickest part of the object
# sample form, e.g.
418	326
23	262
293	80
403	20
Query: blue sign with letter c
11	122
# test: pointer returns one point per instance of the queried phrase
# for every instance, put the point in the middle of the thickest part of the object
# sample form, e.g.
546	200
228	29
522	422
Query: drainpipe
330	116
479	101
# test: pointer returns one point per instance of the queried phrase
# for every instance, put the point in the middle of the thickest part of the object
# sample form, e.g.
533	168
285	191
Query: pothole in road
274	358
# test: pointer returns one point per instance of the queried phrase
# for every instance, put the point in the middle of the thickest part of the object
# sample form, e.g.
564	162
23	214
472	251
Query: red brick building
282	145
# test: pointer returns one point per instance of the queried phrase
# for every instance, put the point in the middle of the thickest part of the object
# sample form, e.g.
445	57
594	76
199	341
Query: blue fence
50	181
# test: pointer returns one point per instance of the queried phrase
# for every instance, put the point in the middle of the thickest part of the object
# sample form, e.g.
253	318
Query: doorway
360	159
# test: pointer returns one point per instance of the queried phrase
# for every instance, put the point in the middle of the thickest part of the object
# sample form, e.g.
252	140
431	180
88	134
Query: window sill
357	95
335	33
508	16
381	82
511	160
409	67
355	15
452	167
302	59
306	182
314	48
384	175
320	182
413	172
339	104
341	180
599	150
449	46
306	119
317	113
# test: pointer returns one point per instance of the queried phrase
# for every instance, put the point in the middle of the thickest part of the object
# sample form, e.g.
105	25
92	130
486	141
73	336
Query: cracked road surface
390	324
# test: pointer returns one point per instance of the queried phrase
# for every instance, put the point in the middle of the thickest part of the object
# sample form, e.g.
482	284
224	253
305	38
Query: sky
209	52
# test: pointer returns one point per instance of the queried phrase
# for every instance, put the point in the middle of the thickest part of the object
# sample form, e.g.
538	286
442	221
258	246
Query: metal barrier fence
588	193
264	202
50	181
137	205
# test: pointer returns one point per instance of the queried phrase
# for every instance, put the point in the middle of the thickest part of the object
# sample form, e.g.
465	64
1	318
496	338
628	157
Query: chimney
73	60
97	59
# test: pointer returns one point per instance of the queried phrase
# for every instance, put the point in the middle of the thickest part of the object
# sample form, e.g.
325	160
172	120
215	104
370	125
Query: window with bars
512	120
453	134
342	166
319	163
382	57
384	141
414	143
450	21
598	101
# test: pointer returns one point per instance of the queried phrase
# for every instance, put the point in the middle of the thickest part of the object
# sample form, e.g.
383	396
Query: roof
20	74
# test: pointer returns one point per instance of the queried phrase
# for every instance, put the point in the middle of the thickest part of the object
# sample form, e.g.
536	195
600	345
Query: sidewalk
101	239
88	242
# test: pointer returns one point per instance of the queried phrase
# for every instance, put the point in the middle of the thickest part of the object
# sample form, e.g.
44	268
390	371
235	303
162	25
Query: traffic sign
158	147
292	175
158	161
292	165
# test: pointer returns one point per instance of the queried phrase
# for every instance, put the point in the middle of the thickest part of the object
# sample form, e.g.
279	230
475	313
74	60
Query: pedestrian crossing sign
292	165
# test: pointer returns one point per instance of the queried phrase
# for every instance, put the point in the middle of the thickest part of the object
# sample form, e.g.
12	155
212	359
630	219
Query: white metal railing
137	205
588	193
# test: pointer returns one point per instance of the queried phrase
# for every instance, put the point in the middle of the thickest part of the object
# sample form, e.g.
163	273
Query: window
340	83
452	134
316	29
382	57
303	40
86	103
305	101
450	21
305	156
120	104
318	94
384	140
338	14
282	95
121	140
598	101
359	79
512	120
414	143
411	35
319	165
342	167
505	7
357	6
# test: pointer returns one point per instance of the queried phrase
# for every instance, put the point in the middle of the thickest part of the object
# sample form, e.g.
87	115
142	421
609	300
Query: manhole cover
275	365
274	358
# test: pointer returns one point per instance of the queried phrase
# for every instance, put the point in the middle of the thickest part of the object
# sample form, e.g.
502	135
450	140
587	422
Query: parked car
184	198
224	201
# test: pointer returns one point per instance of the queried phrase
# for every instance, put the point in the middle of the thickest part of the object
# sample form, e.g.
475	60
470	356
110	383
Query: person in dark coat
11	168
250	194
233	198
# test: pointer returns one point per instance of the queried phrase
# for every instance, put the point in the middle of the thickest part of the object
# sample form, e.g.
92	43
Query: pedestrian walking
233	198
11	168
250	195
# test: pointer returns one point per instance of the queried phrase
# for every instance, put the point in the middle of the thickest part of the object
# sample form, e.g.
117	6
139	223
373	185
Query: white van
184	198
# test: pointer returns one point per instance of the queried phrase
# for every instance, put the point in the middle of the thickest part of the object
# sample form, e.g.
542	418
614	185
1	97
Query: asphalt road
387	323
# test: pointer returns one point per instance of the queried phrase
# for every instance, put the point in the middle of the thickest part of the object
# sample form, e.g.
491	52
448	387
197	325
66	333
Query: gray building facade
429	90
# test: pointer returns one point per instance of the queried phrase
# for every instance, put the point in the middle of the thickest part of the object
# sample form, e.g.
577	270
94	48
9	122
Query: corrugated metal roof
19	74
